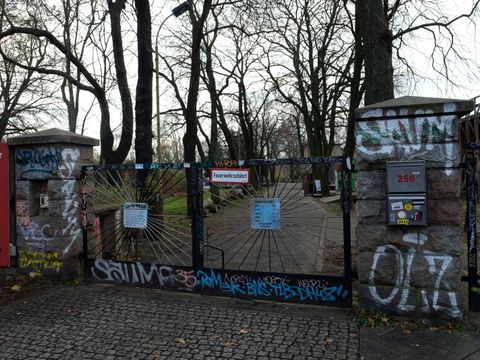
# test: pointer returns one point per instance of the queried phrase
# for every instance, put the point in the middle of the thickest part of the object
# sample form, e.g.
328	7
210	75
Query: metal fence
269	229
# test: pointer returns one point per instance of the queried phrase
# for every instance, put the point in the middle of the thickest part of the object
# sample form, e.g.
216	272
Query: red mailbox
4	211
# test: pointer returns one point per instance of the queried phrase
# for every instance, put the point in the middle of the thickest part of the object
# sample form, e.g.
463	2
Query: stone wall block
447	155
440	303
389	299
436	271
371	211
22	209
380	268
39	227
65	208
435	155
444	212
374	157
86	154
371	185
443	183
443	239
23	190
371	236
25	242
60	189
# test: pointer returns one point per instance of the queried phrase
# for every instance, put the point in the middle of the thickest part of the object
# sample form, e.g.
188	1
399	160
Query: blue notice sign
265	213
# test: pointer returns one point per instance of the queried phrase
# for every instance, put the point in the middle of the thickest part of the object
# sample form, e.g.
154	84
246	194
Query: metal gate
473	277
265	229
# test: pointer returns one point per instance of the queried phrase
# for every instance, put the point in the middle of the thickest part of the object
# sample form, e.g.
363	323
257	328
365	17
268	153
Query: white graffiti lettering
438	265
425	132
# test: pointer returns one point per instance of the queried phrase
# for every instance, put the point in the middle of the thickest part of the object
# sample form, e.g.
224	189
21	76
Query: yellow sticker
403	221
408	206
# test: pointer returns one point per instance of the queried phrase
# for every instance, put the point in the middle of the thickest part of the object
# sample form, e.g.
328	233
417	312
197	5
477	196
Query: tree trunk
144	95
118	156
377	49
355	86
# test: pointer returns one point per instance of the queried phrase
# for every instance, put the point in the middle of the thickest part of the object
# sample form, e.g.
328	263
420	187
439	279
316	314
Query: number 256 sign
405	178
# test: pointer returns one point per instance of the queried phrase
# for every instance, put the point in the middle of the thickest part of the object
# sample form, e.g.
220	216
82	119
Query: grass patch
373	318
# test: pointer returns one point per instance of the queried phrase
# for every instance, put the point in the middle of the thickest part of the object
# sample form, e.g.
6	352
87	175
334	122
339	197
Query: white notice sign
135	215
230	176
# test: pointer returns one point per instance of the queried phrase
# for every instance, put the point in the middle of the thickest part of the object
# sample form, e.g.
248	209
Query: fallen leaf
34	274
16	287
244	331
329	340
180	341
229	343
19	313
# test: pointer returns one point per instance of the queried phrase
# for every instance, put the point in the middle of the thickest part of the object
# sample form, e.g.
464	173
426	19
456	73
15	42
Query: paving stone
105	323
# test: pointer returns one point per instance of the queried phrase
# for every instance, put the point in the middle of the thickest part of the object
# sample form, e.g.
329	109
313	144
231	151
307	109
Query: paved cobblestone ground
91	322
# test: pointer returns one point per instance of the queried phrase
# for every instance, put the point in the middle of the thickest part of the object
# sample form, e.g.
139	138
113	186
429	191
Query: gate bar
473	289
346	207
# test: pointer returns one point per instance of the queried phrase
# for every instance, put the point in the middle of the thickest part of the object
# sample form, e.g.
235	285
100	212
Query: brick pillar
410	270
48	212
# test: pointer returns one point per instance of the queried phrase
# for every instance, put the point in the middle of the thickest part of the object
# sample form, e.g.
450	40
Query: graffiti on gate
143	274
39	260
268	286
226	163
49	161
265	287
414	135
438	266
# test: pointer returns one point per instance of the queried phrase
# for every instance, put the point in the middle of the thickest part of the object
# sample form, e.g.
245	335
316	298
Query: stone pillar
410	270
48	200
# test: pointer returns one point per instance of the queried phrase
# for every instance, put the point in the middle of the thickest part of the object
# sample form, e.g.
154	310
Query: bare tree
23	93
388	26
309	65
85	79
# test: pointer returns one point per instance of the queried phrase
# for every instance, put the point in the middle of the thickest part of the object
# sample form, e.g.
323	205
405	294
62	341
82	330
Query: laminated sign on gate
135	215
265	213
230	176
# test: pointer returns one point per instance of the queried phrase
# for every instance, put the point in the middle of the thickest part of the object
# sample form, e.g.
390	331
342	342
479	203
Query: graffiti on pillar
424	131
35	233
437	264
72	229
56	162
70	159
39	261
47	161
